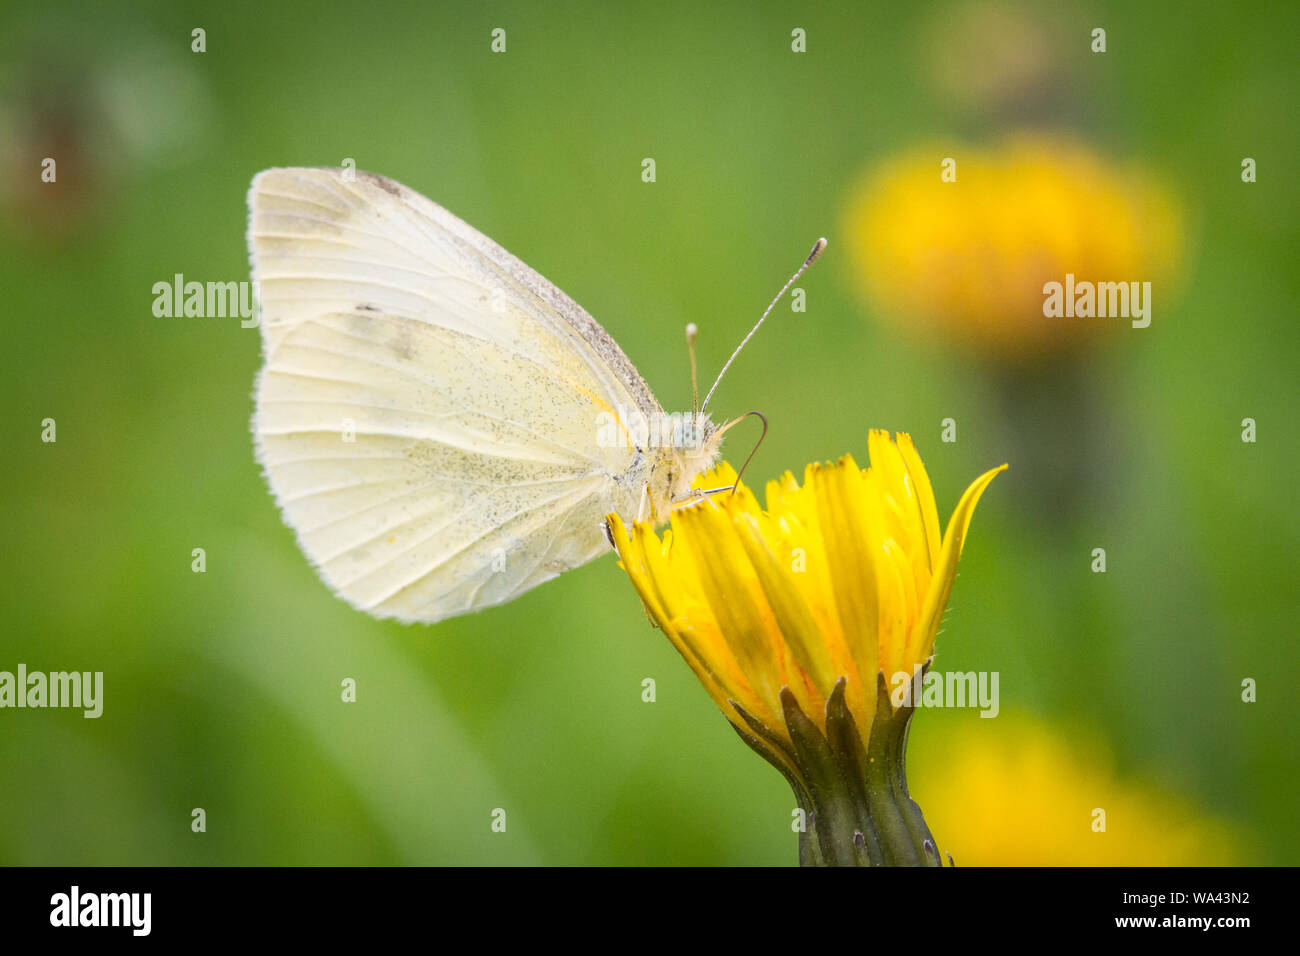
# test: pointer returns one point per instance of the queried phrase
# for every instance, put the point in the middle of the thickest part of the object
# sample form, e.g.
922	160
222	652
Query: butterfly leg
699	494
646	510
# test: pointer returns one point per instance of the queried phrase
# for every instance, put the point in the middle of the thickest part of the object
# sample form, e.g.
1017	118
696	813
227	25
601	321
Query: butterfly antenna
693	330
763	418
817	250
731	424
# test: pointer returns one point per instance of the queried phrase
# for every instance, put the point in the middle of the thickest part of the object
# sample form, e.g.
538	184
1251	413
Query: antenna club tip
818	248
692	330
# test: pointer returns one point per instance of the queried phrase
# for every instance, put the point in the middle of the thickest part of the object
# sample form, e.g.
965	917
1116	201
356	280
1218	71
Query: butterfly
441	426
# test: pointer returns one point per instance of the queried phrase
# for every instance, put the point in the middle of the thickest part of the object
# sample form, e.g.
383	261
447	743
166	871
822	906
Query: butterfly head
700	449
695	447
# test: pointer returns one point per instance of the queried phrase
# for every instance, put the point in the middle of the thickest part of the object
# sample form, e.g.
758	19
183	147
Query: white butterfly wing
429	410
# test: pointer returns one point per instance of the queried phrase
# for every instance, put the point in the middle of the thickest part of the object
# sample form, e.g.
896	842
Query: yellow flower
791	613
966	261
1020	794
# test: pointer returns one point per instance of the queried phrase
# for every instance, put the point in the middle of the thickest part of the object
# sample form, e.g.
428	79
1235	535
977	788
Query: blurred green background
222	689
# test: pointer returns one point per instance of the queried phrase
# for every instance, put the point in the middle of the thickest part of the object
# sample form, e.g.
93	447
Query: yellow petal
849	539
946	570
734	596
790	610
925	496
635	555
901	513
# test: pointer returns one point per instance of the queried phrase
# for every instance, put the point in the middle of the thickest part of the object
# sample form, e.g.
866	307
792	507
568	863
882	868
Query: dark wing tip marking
383	182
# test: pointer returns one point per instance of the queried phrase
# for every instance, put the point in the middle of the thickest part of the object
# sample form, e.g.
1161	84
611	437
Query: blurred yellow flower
793	616
966	261
1012	792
